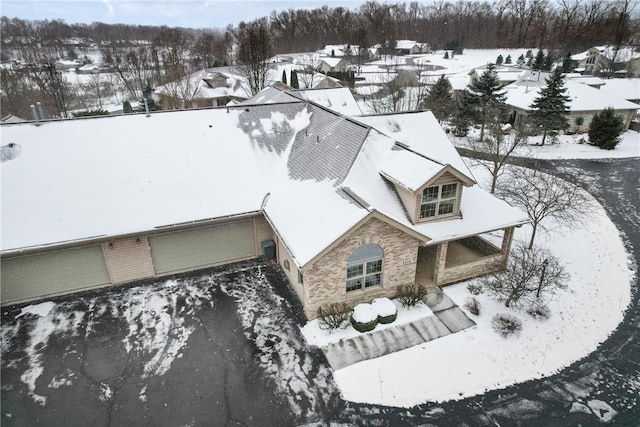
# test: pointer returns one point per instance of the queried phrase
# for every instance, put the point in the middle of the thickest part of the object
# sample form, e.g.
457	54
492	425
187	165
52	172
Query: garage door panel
202	247
52	273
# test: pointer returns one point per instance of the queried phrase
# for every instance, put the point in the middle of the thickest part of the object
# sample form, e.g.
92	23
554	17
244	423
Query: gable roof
313	172
337	99
583	98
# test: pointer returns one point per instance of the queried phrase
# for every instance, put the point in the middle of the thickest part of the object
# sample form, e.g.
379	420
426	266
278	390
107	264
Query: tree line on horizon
564	25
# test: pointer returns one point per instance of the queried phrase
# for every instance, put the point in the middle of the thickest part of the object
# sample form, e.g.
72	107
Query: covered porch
457	260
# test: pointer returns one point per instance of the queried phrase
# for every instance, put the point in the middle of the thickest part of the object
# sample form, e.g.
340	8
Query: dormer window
438	200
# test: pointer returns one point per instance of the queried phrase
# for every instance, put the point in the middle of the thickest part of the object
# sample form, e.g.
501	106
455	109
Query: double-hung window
438	200
364	267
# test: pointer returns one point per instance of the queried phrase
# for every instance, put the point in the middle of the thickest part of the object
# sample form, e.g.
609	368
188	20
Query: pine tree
487	100
550	109
520	61
294	79
507	60
567	63
463	114
538	63
126	107
499	60
605	129
284	76
440	99
147	93
446	54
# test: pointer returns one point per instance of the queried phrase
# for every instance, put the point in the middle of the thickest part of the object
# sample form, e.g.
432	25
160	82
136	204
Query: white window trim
439	200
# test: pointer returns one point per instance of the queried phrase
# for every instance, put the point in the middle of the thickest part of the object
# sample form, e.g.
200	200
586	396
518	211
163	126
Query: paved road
604	387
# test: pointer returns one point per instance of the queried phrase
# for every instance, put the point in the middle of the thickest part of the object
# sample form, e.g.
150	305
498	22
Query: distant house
332	65
586	102
505	75
605	59
411	47
64	64
349	207
205	88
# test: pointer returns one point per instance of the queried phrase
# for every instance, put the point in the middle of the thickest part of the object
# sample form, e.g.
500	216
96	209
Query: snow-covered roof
622	88
407	44
583	97
197	86
587	80
331	62
270	95
82	179
338	99
625	53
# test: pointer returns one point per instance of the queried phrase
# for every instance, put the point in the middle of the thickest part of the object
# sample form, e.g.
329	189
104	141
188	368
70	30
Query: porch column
506	244
441	257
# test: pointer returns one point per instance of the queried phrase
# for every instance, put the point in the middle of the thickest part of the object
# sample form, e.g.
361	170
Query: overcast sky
183	13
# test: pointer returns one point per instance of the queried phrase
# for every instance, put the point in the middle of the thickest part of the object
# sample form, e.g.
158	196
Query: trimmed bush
410	295
475	289
386	309
364	318
334	315
539	312
473	306
506	324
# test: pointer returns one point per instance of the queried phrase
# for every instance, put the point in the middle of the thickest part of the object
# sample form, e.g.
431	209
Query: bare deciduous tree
254	51
543	196
496	149
531	277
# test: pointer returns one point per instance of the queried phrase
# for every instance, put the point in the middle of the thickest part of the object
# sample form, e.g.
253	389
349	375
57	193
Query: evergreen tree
550	109
147	93
440	99
294	79
507	60
284	76
126	107
520	61
538	63
548	62
499	60
463	114
446	54
567	63
488	101
605	129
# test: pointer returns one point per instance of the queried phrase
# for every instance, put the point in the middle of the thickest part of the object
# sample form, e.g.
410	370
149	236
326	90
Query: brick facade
326	278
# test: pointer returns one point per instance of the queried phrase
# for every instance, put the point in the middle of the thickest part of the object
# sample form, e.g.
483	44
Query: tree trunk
544	137
494	180
533	235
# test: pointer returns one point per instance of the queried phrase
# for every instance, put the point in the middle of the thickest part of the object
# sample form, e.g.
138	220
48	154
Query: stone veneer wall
326	278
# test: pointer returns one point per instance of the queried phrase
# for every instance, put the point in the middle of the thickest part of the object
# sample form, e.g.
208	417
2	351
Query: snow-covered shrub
410	295
506	324
475	289
386	310
364	318
473	306
334	315
539	312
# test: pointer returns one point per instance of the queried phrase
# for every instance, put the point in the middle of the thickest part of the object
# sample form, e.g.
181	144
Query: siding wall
326	278
128	259
292	273
263	231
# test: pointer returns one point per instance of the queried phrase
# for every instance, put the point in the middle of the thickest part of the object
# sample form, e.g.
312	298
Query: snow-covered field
479	359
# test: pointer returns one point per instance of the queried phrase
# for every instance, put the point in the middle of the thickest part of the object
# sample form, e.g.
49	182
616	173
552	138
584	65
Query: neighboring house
205	88
604	59
411	47
505	75
332	65
10	118
351	208
586	102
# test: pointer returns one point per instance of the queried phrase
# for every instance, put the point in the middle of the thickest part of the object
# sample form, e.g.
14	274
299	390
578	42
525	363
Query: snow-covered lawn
316	335
479	359
570	147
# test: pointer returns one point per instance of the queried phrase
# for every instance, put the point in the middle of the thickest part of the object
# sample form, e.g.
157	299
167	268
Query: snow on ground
316	335
479	359
568	147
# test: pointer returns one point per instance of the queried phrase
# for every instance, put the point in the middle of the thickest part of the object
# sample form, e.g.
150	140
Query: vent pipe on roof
40	110
35	114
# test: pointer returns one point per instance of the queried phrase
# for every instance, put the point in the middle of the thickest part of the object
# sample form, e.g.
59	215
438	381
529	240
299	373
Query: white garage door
68	270
202	247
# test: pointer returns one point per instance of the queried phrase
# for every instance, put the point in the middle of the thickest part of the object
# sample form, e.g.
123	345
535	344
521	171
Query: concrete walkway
447	319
